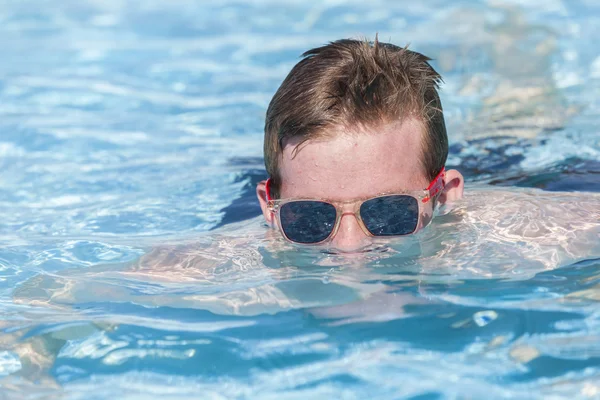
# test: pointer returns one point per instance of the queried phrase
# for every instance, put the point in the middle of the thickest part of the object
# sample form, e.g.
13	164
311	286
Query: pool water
133	259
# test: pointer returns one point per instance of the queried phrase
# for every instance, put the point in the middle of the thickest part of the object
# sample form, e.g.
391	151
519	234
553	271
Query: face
351	165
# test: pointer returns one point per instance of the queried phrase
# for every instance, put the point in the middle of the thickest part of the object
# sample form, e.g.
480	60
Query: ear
261	193
454	187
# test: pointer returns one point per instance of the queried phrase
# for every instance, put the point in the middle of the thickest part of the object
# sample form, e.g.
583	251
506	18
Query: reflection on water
518	94
247	269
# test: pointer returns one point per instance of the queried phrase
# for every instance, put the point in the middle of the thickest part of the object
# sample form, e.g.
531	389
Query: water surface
133	261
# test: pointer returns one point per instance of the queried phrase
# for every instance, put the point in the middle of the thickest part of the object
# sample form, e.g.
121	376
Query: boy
355	147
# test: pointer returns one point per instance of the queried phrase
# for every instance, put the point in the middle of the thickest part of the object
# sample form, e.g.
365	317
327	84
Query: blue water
133	262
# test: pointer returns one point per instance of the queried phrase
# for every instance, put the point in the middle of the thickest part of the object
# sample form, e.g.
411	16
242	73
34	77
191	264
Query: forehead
358	163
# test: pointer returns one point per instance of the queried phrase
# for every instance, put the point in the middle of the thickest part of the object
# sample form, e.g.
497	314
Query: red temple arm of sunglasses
436	185
268	189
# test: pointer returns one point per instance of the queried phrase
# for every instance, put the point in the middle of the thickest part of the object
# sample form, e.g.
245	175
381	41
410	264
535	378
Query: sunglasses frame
422	197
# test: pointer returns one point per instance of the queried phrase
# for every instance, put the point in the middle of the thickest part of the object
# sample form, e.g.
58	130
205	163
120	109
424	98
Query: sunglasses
315	221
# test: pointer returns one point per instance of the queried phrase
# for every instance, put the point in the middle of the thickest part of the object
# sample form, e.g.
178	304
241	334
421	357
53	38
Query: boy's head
353	120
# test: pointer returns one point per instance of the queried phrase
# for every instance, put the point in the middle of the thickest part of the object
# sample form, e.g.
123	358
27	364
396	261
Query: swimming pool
133	262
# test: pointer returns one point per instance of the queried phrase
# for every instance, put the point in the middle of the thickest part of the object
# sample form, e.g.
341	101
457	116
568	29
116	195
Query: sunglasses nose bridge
350	234
346	208
350	210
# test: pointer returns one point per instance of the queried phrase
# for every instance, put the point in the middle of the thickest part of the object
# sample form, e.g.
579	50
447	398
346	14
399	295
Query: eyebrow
355	199
434	187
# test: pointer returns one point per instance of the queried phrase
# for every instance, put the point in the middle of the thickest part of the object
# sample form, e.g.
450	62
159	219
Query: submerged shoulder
206	253
533	203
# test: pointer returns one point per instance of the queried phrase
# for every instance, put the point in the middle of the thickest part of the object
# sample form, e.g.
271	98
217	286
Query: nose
349	237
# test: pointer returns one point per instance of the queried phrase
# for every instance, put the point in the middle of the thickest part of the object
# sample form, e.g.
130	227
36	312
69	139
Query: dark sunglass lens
307	221
390	215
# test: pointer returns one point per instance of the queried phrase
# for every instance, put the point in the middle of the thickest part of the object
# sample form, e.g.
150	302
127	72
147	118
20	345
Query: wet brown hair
351	83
